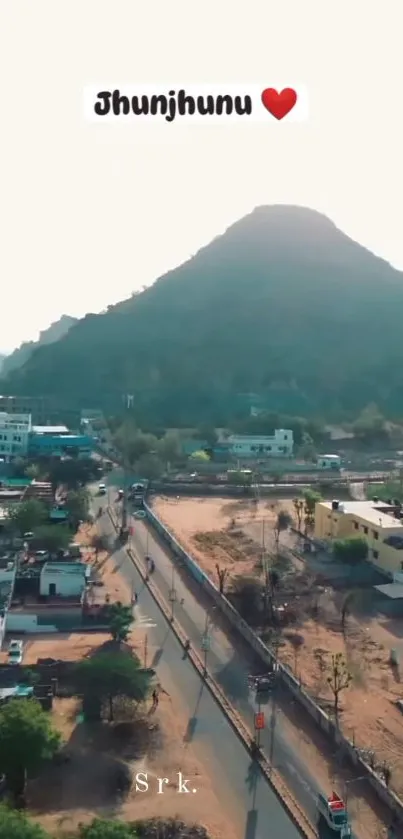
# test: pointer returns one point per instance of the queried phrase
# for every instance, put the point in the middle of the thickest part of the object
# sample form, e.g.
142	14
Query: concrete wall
67	585
22	622
322	720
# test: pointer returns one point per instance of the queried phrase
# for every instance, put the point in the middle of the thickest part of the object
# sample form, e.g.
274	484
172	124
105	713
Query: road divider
271	775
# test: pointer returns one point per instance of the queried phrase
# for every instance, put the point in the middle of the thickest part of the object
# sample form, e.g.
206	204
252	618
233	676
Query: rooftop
50	429
65	568
374	513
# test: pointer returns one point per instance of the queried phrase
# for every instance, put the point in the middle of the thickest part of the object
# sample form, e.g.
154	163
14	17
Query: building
57	441
37	406
381	524
15	430
329	461
63	579
280	444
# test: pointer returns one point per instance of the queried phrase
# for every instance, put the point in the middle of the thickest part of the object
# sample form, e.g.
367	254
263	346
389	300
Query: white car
102	489
15	652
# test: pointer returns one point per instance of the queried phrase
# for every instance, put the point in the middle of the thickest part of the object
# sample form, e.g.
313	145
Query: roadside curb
272	776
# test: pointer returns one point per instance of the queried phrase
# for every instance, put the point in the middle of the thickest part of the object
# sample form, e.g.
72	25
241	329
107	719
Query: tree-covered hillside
282	305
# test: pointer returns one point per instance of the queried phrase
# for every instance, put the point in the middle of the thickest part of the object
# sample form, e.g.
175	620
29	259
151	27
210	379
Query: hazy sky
91	212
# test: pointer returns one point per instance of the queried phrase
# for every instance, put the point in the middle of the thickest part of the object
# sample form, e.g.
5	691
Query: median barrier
272	776
315	711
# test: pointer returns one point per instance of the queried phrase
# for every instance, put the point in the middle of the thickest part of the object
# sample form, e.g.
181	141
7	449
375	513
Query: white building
14	435
329	461
63	579
281	444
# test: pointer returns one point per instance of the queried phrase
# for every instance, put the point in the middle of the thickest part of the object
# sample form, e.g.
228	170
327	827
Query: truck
334	812
137	493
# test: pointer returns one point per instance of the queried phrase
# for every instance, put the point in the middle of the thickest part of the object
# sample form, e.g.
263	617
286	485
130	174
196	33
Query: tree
32	471
311	499
106	829
283	522
338	680
108	675
149	466
296	641
27	739
299	511
72	474
208	433
120	620
307	449
200	456
169	448
222	574
51	537
78	505
352	550
15	825
28	515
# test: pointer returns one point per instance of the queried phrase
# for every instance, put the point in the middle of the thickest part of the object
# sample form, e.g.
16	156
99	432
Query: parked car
101	489
15	652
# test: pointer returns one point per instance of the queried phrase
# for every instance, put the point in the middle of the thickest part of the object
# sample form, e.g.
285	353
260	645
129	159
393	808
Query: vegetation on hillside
282	310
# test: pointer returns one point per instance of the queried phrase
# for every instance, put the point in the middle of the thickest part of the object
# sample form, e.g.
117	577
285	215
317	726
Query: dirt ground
81	789
369	715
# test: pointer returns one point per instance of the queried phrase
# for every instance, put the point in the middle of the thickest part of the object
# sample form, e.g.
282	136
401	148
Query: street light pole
172	595
206	640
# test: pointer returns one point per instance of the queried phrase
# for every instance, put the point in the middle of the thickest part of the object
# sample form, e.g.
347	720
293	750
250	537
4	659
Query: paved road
243	789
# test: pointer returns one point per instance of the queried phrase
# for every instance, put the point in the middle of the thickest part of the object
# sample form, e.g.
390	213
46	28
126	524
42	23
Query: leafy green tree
27	739
352	550
51	537
78	505
107	829
32	471
108	675
120	620
15	825
169	447
149	466
72	474
311	499
28	515
208	433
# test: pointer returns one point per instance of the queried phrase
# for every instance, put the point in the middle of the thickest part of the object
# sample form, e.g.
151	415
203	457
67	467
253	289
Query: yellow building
379	523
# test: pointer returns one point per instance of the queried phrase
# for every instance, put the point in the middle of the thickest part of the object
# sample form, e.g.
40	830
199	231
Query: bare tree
222	574
339	679
296	641
345	609
299	511
282	523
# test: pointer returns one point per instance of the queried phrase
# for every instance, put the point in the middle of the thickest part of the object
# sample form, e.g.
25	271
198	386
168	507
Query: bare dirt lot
231	534
83	787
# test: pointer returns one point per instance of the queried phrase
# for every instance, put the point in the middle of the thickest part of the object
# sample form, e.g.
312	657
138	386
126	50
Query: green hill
283	305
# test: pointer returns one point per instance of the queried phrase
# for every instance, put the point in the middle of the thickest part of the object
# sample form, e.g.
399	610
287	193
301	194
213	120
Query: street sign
259	721
205	643
172	595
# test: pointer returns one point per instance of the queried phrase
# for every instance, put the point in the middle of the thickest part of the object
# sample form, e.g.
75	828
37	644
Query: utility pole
273	717
172	595
128	401
206	639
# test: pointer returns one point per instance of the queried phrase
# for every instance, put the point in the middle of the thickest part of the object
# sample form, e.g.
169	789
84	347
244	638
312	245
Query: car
15	646
15	652
102	489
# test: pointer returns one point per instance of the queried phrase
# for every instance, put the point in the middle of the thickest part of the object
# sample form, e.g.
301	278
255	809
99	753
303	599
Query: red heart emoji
279	104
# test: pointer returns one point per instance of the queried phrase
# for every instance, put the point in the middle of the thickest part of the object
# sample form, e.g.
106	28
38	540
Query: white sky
90	212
